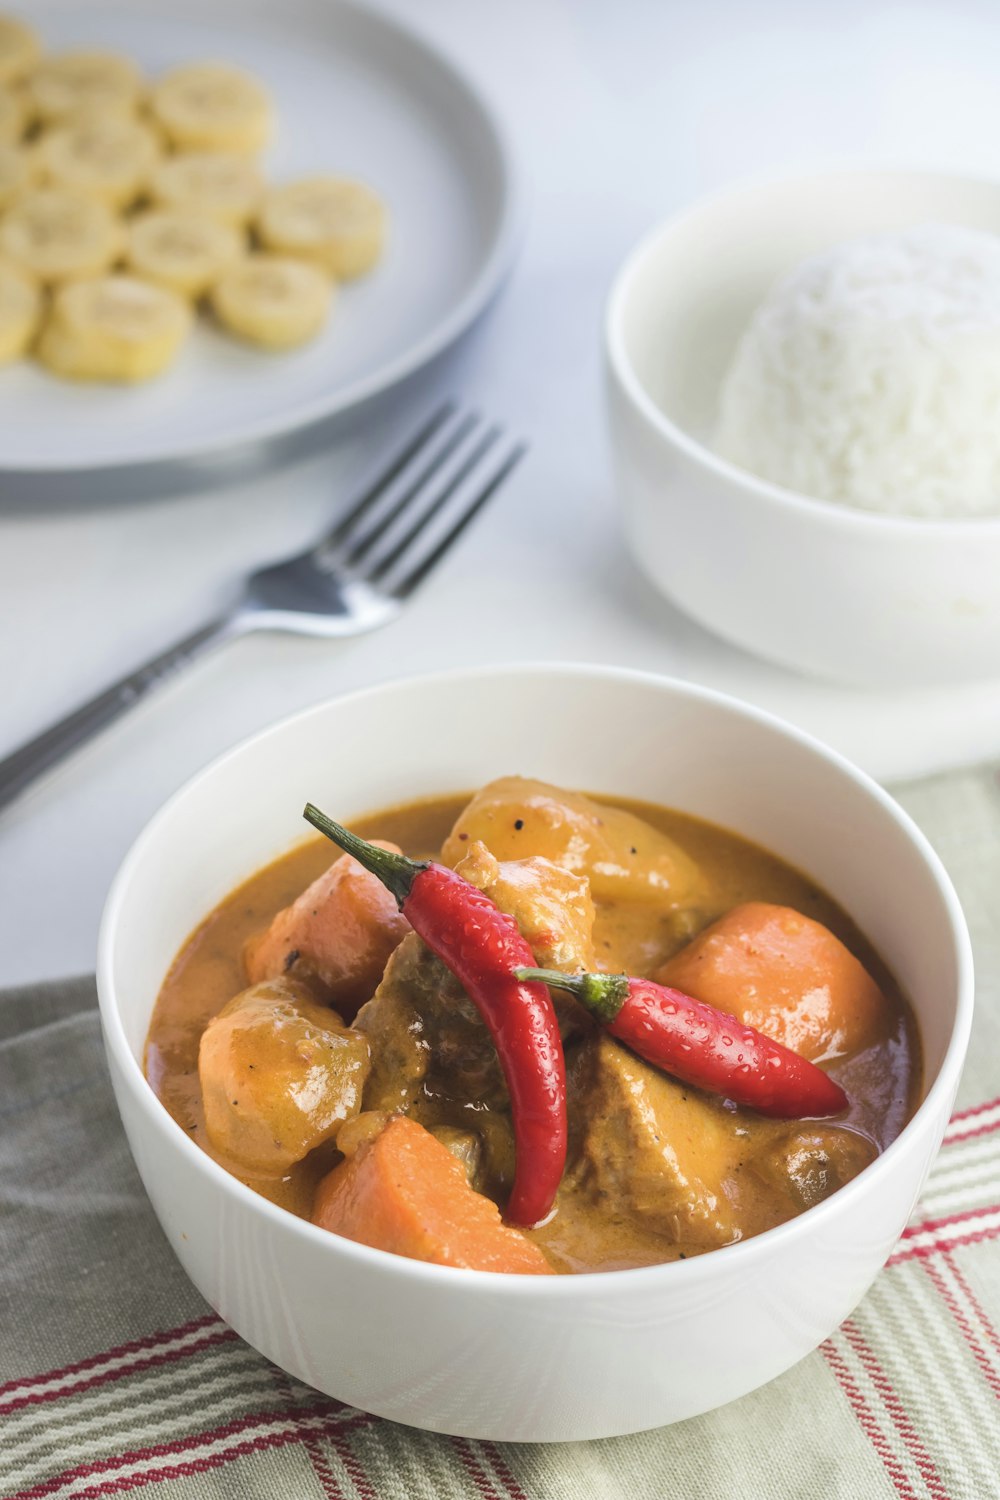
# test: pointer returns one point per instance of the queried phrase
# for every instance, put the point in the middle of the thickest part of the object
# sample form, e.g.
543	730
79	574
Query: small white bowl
529	1359
829	591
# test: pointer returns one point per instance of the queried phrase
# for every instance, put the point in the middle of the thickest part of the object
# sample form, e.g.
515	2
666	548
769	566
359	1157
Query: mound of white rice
870	376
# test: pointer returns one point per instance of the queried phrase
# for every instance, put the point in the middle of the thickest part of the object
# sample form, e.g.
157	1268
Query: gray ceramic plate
355	94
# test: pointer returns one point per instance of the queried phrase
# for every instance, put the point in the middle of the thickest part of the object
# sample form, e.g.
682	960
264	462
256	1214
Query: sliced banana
338	223
210	107
13	114
113	328
181	250
221	185
59	234
20	49
82	85
271	301
18	173
20	309
110	156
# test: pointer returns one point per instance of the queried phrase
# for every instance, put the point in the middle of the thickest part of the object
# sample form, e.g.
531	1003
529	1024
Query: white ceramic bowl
830	591
508	1357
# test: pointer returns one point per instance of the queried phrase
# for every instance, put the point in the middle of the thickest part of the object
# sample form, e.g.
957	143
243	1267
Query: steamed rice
870	376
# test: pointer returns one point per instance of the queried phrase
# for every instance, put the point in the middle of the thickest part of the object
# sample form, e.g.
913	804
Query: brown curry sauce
587	1232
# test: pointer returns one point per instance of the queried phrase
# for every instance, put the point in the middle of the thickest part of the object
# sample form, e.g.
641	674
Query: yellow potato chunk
624	858
279	1076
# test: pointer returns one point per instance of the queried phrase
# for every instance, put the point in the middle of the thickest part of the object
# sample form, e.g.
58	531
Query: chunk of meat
433	1058
405	1192
651	1151
813	1161
279	1076
432	1055
341	931
785	974
420	1014
623	858
552	907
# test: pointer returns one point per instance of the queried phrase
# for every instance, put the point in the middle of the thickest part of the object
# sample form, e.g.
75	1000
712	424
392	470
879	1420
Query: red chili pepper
701	1045
482	947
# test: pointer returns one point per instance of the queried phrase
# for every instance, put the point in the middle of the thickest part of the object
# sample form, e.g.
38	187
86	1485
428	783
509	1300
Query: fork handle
30	760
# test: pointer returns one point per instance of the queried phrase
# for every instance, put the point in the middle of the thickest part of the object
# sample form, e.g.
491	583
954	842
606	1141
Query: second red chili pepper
701	1045
482	947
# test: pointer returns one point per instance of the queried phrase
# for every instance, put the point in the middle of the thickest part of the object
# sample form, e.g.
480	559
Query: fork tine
390	473
386	563
383	524
413	579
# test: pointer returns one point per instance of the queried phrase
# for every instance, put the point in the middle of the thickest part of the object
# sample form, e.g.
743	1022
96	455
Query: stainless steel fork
355	579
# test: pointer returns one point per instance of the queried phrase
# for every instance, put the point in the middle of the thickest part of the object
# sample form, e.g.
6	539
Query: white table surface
622	112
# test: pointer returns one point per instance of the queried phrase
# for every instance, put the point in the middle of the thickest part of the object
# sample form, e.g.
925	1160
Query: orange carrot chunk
405	1192
342	930
785	975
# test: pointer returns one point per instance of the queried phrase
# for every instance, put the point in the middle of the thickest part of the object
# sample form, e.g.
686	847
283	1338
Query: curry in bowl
577	1035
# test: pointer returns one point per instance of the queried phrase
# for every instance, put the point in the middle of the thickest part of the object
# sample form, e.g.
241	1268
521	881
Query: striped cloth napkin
115	1376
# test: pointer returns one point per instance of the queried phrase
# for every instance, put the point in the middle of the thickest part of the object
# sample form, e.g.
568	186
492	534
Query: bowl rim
845	517
688	1272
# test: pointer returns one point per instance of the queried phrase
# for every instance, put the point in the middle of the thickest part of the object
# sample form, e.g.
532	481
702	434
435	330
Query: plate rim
493	270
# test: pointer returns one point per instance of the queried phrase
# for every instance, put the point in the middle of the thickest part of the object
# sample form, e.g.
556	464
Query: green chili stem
395	871
602	994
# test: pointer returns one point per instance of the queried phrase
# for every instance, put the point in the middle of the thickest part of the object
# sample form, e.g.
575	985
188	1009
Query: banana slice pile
125	207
